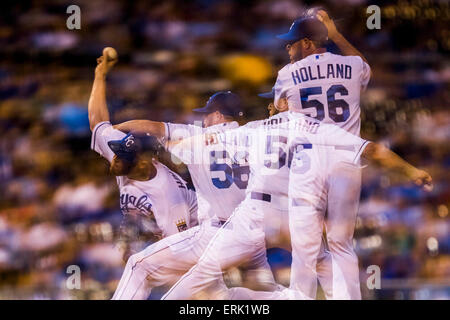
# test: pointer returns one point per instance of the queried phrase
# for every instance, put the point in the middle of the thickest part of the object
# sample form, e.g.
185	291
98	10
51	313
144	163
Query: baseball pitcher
326	87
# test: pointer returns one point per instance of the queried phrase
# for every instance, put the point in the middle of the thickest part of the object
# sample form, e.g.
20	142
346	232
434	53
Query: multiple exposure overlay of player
295	175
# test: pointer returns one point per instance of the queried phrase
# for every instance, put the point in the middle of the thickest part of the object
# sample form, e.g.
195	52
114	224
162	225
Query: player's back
316	148
268	154
326	87
219	176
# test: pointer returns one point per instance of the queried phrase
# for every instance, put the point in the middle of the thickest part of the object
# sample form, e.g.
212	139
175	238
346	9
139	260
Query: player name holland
336	71
227	309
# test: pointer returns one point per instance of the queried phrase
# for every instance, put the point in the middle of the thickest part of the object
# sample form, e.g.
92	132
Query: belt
281	202
261	196
219	223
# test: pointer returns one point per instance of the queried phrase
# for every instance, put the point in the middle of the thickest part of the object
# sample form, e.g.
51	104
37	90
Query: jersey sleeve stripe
360	151
167	133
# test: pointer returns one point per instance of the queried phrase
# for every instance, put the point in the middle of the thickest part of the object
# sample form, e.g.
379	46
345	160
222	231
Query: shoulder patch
181	225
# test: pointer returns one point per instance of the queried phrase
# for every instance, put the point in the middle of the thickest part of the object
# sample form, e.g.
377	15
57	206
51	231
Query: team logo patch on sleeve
181	225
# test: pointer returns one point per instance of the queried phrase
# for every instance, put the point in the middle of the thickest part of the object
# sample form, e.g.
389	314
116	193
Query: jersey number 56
232	174
333	103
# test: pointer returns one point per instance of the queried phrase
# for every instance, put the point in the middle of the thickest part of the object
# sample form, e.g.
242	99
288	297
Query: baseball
110	53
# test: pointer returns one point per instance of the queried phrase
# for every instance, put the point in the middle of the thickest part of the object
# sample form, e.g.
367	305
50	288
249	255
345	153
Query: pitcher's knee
343	243
130	261
152	268
136	261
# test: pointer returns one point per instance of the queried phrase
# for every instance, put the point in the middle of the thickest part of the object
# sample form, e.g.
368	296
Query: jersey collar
317	57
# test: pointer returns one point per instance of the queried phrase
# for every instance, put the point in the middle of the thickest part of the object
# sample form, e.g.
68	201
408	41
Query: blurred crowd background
60	207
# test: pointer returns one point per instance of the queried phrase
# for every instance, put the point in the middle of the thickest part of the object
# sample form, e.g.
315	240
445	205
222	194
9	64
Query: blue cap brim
287	37
114	145
266	95
202	110
118	149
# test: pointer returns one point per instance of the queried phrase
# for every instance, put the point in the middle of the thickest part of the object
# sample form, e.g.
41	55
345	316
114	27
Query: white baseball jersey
326	87
284	142
219	177
315	148
164	199
265	146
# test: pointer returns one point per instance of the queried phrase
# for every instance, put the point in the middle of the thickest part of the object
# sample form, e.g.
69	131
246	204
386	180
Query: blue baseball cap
306	27
268	95
131	145
226	102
